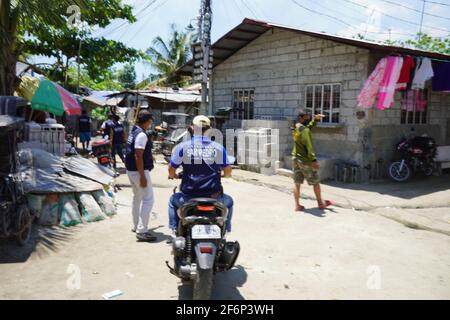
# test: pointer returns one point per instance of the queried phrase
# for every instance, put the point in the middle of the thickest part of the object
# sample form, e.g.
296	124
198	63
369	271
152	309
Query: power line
249	8
345	23
322	14
439	3
126	23
416	10
147	20
393	17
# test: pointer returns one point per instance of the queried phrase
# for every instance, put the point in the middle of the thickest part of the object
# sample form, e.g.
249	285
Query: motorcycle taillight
104	160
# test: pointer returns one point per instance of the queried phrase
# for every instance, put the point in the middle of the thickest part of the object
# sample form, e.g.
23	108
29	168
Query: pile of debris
66	191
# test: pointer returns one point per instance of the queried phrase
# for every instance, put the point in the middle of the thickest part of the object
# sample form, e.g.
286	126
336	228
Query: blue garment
117	149
85	137
202	161
130	159
84	124
118	130
177	200
441	79
108	126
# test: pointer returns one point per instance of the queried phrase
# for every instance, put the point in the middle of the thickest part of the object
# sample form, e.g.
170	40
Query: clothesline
399	73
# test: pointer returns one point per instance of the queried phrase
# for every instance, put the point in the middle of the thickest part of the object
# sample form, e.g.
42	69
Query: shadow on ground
160	237
416	187
43	241
226	286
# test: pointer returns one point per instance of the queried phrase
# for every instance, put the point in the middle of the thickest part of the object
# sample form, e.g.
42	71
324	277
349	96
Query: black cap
301	113
144	116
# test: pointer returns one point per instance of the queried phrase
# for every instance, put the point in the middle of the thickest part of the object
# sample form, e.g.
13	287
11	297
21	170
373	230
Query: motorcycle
102	150
417	156
199	246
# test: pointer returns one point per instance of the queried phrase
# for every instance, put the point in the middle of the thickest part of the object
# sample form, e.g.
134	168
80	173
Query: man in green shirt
304	161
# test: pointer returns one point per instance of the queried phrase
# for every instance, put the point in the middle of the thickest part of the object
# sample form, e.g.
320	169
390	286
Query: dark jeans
117	149
177	200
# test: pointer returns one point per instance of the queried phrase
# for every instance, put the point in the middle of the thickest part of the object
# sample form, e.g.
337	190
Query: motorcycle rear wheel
399	176
203	285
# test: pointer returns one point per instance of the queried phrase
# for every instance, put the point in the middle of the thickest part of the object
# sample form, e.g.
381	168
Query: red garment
405	74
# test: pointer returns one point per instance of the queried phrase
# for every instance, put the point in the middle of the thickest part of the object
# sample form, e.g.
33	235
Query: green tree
428	43
421	41
166	58
43	27
109	80
127	77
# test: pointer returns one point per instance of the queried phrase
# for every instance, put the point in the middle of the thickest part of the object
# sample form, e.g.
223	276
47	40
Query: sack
90	209
70	214
105	202
35	203
50	211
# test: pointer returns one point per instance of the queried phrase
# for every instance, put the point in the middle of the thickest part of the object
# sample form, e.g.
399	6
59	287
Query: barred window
243	104
324	99
414	107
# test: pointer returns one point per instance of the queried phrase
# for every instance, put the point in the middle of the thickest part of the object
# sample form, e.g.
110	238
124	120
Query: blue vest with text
130	159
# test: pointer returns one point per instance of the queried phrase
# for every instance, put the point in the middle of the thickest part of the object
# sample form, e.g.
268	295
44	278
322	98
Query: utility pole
79	68
421	20
202	50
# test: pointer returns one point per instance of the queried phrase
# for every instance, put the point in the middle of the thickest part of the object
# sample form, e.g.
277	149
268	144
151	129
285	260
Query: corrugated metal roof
164	94
174	97
251	29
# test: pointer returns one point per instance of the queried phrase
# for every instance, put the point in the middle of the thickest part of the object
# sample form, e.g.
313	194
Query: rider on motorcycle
203	161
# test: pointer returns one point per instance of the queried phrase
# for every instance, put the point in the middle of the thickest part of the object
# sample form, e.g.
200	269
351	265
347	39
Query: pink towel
389	83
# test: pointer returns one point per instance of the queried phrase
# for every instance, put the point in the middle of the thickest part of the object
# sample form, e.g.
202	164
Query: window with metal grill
324	99
243	104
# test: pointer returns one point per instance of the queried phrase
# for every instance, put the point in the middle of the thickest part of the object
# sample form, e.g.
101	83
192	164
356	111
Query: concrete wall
382	128
278	65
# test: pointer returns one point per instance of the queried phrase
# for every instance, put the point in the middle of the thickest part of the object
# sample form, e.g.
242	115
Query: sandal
147	237
325	205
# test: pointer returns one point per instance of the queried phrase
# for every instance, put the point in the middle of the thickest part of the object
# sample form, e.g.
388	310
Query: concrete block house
265	72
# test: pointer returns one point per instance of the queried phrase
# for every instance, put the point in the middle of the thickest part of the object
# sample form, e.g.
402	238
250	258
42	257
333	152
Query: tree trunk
8	47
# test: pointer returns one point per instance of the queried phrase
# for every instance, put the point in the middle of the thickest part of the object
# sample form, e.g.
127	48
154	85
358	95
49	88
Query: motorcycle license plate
206	232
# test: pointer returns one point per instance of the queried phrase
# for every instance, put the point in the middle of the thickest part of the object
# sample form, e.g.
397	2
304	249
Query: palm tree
166	58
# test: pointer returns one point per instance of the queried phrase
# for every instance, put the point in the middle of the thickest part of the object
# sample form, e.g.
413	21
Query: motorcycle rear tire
404	176
202	288
23	225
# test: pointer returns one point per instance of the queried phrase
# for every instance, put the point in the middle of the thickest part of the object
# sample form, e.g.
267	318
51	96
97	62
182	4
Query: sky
377	19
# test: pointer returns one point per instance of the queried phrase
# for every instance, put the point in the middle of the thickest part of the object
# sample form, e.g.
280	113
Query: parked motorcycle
199	248
416	156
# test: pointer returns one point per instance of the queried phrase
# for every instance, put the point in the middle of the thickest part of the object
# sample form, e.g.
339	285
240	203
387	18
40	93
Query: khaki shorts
304	171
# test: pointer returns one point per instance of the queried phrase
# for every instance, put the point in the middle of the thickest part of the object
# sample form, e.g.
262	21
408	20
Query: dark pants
178	199
117	149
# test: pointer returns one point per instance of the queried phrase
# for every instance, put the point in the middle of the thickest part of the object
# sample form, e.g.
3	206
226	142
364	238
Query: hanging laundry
417	63
421	102
441	80
406	73
407	102
370	89
388	85
414	101
424	72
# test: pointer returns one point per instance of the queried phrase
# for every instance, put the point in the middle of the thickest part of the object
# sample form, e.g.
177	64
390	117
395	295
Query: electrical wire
439	3
126	22
146	21
249	8
416	10
347	24
393	17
